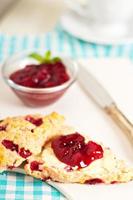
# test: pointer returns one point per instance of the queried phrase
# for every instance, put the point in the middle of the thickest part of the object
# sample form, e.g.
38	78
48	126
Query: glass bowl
36	96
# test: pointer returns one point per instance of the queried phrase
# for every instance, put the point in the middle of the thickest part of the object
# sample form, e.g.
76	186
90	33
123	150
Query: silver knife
104	100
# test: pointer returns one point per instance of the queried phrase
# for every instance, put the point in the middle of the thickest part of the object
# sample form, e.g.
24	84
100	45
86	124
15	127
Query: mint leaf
56	59
37	57
47	58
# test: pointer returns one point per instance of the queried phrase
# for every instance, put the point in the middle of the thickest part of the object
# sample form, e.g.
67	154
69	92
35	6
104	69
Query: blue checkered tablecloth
16	186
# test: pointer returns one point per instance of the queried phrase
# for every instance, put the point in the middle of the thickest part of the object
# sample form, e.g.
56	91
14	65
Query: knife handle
118	117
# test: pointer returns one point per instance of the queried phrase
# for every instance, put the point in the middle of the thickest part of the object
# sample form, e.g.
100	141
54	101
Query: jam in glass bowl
39	80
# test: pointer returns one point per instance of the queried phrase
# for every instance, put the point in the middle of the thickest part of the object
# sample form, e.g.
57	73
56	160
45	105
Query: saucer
87	31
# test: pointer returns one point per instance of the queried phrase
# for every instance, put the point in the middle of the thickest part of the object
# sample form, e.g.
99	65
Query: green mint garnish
56	59
36	56
47	58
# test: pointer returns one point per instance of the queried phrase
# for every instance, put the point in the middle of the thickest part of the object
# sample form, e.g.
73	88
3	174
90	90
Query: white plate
80	111
73	24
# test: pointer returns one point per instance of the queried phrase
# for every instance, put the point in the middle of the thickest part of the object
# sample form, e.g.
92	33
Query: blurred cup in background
105	16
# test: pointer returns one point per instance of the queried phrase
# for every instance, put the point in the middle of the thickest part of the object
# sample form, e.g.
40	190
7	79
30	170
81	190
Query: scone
73	158
22	137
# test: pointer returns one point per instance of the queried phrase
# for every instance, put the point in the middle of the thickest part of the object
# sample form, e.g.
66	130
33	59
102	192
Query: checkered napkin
16	186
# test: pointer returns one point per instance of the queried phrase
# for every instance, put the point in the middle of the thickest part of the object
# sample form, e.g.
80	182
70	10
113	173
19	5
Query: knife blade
100	95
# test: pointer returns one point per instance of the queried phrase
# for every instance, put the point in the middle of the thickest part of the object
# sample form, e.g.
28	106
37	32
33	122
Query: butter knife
99	94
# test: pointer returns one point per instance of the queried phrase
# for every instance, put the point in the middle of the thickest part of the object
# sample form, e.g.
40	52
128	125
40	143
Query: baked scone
24	136
75	159
55	151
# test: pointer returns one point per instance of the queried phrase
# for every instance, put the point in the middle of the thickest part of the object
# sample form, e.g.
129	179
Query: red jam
43	75
10	145
73	151
34	166
24	153
94	181
34	121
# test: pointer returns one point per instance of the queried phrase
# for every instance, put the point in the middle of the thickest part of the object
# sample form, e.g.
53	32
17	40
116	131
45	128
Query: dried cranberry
114	182
34	121
94	181
44	179
72	150
24	153
10	145
3	128
34	166
10	167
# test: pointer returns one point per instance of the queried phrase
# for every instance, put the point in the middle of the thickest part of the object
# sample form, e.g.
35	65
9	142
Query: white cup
107	16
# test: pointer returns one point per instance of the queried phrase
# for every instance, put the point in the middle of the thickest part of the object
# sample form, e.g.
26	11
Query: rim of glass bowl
40	90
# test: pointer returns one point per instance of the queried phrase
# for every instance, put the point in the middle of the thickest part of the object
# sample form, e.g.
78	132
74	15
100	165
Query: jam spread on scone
73	151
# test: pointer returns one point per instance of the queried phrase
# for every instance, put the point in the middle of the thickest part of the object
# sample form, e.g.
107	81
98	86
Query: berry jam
43	75
73	151
94	181
34	121
10	145
34	166
24	153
